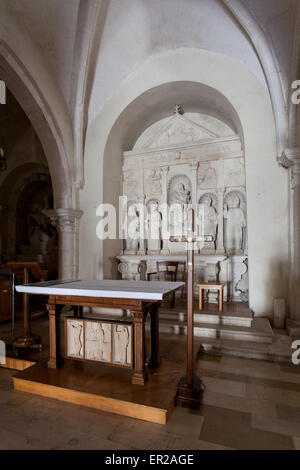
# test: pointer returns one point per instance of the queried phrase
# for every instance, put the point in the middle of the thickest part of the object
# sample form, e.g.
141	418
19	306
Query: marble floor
246	405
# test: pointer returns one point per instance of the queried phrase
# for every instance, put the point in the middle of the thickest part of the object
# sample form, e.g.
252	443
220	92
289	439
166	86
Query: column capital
65	220
290	159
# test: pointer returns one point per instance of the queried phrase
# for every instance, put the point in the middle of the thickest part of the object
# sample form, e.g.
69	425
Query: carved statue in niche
209	216
235	226
179	198
132	242
154	227
121	344
179	194
98	341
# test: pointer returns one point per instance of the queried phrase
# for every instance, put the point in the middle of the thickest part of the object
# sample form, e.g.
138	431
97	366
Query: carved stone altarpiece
189	159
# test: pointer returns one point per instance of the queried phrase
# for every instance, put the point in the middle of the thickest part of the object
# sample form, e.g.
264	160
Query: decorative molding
179	130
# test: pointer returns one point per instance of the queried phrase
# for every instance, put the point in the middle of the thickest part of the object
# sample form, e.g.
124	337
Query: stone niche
188	159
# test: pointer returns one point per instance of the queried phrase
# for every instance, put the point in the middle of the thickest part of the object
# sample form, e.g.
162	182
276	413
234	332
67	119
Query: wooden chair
166	271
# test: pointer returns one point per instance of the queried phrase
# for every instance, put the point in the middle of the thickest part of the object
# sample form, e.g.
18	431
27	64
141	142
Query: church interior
149	225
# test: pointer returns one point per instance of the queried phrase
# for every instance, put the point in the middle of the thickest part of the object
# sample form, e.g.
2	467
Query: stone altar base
110	389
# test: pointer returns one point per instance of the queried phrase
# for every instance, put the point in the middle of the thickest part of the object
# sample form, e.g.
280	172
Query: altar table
139	297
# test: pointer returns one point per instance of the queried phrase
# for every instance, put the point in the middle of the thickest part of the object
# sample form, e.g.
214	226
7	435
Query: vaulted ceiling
86	49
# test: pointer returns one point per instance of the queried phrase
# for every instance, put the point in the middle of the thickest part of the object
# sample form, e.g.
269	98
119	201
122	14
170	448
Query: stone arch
254	120
28	94
267	57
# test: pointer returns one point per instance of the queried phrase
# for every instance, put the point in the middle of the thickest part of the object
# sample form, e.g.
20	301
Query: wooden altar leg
154	358
139	376
221	300
54	360
201	298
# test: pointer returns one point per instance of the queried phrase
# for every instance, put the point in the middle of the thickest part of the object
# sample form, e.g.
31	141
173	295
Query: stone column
291	161
164	201
143	215
194	169
220	240
66	222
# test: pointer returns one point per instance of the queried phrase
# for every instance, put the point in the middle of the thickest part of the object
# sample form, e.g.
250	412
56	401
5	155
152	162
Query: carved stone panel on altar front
122	344
99	341
75	339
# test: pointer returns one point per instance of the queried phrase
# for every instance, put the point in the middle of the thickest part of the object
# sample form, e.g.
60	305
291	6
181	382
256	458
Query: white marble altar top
141	290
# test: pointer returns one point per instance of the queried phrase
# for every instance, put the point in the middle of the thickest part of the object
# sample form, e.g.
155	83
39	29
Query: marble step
279	351
246	350
259	332
229	319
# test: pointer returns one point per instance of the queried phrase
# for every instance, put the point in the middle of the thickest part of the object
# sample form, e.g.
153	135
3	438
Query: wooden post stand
22	270
189	388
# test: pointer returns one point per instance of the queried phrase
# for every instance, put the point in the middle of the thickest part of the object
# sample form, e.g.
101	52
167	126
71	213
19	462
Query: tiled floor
246	405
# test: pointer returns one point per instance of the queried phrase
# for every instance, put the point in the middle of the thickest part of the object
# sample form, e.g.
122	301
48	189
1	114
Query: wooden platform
110	389
17	363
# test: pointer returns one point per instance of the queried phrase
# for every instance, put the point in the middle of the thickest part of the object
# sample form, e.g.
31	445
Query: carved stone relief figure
130	186
207	176
208	212
154	227
122	343
235	226
75	338
179	190
152	182
179	196
98	341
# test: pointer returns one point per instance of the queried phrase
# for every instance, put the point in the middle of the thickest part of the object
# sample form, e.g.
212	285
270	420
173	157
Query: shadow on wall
277	282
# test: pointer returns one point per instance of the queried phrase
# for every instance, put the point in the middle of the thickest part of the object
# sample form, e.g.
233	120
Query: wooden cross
189	387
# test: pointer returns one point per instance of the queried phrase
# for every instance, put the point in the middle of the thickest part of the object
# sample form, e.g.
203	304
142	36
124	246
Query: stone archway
252	106
55	141
30	98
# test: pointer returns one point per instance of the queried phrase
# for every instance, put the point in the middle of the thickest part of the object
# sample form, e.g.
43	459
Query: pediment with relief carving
179	130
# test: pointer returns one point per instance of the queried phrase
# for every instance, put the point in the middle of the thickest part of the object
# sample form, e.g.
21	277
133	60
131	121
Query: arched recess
267	208
30	98
152	106
10	192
